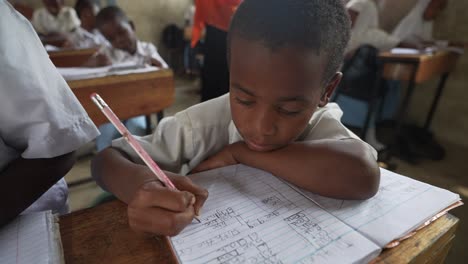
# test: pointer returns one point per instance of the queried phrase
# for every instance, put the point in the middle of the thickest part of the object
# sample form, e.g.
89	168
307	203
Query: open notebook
79	73
31	238
254	217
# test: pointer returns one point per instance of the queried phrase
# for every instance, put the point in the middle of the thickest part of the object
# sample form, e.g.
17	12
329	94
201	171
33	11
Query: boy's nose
265	123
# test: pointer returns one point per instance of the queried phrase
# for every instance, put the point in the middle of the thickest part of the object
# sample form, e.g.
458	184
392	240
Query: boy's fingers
201	194
153	194
159	221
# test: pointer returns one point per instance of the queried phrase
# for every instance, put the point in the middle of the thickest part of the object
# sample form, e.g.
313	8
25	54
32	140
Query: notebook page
253	217
400	205
27	240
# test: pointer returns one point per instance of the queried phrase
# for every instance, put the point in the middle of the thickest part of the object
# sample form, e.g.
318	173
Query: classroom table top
429	65
102	233
128	95
71	57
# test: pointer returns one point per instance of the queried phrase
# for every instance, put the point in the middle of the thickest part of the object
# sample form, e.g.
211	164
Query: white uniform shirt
81	38
366	28
65	21
181	142
144	51
39	115
413	28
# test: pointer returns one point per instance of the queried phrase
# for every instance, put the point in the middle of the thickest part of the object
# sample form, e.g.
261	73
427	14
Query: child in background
54	22
125	47
42	123
275	118
87	35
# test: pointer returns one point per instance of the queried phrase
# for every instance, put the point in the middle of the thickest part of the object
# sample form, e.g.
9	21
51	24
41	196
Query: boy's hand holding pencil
157	209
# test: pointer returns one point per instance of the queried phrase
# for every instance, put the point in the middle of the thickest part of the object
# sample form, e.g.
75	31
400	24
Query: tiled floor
449	173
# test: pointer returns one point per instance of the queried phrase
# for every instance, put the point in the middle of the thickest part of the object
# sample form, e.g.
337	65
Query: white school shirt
39	115
413	28
66	21
366	29
82	39
184	140
143	52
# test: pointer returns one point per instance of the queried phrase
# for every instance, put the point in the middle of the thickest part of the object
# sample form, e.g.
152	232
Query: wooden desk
128	95
71	57
415	69
102	233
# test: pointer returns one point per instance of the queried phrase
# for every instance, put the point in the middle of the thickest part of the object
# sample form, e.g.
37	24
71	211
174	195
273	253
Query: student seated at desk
125	47
87	35
275	118
42	123
417	26
54	22
365	30
114	24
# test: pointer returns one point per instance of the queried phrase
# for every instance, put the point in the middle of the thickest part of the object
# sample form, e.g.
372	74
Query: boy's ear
331	86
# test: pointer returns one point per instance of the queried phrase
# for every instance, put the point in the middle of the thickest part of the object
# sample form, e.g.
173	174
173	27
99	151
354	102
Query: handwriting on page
398	197
253	217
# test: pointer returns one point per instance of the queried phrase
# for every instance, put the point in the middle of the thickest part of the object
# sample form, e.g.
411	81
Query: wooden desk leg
404	106
148	124
160	116
435	102
374	98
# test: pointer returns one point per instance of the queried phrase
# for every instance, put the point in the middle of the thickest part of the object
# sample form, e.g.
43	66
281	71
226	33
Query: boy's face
273	94
53	6
120	34
88	18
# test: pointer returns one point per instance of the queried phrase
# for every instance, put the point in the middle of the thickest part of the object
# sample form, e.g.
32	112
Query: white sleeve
37	22
379	39
326	124
357	5
171	145
40	115
71	20
153	51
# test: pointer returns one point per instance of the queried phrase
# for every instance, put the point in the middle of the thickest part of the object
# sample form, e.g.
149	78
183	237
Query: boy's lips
258	147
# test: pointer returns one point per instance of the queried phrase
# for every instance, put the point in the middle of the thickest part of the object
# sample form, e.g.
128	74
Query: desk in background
101	234
71	57
128	95
415	69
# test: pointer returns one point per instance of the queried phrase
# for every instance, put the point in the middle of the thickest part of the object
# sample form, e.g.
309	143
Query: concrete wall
149	16
450	123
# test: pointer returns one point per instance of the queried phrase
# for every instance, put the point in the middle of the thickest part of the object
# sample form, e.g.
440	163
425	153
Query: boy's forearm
116	173
25	180
335	168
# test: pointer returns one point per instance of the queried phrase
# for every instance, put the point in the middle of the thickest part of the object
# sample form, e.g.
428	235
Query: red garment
216	13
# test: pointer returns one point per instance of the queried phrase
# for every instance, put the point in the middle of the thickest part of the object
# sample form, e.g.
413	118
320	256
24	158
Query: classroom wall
450	123
150	17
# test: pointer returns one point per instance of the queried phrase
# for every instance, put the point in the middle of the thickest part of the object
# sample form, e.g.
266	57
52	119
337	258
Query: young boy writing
87	35
283	68
54	22
42	123
120	32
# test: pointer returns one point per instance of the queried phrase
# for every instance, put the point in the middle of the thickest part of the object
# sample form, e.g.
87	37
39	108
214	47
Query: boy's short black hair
319	25
81	4
110	13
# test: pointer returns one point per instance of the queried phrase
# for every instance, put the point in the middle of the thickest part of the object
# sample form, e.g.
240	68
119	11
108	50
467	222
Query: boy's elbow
368	173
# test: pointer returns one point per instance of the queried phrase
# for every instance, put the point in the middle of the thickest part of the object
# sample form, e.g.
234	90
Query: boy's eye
289	112
244	102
